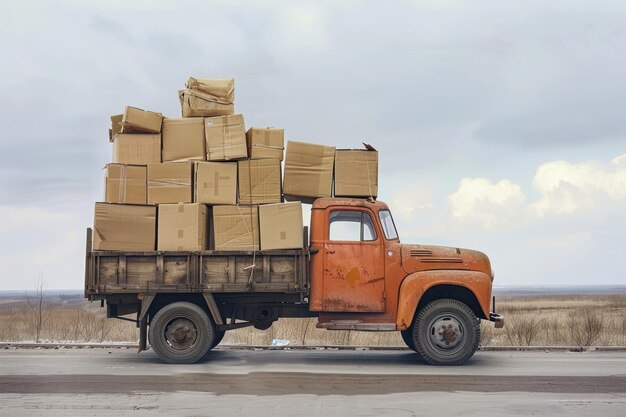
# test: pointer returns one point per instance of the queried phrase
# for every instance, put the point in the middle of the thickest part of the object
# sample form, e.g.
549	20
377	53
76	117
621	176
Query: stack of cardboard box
202	182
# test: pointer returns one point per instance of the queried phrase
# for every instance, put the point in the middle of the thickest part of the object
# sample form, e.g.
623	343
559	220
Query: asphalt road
108	382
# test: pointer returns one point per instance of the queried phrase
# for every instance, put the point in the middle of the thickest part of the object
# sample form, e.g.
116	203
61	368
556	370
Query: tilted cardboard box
126	184
183	227
136	149
308	171
259	181
356	172
225	138
281	226
222	88
265	142
215	182
116	126
183	140
123	227
137	120
170	182
235	227
195	103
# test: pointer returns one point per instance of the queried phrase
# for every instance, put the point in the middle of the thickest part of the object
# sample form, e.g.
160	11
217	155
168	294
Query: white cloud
567	187
406	203
301	28
481	201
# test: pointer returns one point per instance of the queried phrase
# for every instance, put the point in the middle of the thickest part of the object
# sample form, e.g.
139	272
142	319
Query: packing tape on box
195	103
122	185
224	132
266	146
217	178
181	208
181	233
100	235
249	232
169	182
249	196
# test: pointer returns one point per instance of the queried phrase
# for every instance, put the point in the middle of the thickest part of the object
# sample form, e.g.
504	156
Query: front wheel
407	336
446	332
181	333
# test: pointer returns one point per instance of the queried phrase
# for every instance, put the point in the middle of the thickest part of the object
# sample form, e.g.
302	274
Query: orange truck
354	274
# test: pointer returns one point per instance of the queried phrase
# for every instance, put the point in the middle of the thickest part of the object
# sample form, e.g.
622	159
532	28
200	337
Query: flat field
534	320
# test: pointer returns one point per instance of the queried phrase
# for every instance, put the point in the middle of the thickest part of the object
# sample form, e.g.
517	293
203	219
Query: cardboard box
170	182
136	149
356	172
116	126
195	103
125	184
225	138
183	140
183	227
281	226
235	227
215	183
308	171
123	227
137	120
259	181
222	88
265	143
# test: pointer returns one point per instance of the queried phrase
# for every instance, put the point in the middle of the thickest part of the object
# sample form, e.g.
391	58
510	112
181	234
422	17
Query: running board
356	325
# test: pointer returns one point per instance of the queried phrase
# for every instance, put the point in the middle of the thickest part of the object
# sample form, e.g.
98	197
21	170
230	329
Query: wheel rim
446	333
181	334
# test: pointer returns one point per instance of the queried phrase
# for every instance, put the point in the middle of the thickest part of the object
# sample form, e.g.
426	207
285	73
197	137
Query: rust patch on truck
353	276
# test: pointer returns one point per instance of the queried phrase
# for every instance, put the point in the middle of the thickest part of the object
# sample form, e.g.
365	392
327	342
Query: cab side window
351	226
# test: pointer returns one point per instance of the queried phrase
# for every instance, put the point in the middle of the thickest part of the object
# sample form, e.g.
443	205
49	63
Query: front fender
415	285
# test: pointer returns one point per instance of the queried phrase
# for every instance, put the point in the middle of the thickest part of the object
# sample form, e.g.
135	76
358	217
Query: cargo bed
108	272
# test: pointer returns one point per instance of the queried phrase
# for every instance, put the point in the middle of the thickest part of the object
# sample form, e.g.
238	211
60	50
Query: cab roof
323	203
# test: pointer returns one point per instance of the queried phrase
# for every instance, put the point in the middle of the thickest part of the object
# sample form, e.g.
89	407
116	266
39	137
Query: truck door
354	271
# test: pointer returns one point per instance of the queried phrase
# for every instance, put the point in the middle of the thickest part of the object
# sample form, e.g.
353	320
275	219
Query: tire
218	338
446	332
407	336
181	333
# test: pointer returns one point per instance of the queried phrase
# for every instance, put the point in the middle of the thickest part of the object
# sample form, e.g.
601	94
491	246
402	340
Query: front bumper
497	319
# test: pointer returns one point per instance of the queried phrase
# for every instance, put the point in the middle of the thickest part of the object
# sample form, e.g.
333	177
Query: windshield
389	228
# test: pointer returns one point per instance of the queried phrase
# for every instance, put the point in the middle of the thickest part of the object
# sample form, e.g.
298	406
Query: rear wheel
181	333
218	338
446	332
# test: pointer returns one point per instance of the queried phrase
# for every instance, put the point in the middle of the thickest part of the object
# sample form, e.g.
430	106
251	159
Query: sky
500	125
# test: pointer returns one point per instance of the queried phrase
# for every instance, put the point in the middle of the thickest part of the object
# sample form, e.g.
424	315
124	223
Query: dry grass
530	321
78	321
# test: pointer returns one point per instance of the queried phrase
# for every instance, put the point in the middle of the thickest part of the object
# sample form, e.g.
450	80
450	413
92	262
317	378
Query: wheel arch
472	288
151	304
454	292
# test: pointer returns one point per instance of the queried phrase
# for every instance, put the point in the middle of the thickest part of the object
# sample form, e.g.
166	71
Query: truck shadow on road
300	360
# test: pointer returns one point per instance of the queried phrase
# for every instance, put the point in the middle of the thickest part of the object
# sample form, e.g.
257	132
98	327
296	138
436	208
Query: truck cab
364	278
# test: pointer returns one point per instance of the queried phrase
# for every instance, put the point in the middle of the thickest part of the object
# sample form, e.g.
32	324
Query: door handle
330	252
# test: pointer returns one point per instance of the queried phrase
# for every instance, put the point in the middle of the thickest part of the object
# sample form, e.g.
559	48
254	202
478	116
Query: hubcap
445	332
181	334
